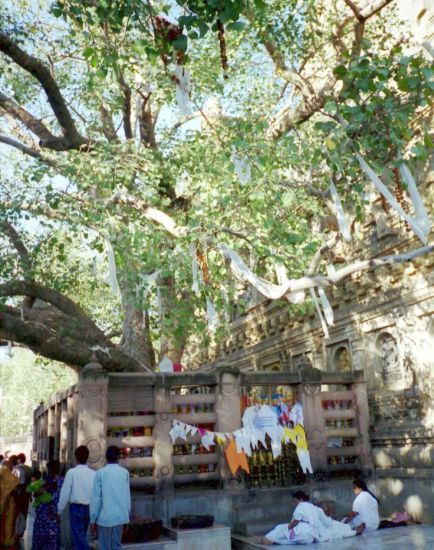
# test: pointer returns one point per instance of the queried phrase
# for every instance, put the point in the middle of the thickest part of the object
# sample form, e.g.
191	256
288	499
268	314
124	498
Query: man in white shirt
76	490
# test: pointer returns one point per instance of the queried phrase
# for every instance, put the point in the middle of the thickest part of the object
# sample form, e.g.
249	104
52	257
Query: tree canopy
159	139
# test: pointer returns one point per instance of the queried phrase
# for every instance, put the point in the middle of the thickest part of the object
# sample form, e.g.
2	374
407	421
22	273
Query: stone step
162	543
260	527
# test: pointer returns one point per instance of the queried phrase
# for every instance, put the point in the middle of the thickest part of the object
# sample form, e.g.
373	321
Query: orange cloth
8	507
235	459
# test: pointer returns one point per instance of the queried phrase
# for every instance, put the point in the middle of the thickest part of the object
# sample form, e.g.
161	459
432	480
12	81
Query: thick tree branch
108	127
58	344
326	247
71	137
30	122
50	296
25	149
9	230
126	106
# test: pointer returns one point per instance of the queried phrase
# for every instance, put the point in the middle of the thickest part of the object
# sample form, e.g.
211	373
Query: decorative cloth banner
390	198
327	308
183	90
320	315
340	214
420	213
195	269
113	280
269	290
242	167
212	316
258	423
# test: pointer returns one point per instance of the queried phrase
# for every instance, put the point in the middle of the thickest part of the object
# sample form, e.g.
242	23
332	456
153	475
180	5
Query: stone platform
415	537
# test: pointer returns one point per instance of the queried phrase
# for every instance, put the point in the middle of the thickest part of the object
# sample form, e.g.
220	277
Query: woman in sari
8	506
309	524
46	530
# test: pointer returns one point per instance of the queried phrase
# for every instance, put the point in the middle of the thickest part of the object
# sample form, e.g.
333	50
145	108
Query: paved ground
416	537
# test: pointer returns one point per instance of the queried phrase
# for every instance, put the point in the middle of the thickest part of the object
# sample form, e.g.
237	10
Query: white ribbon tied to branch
269	290
340	214
320	315
113	280
183	90
420	213
390	198
242	167
195	269
212	316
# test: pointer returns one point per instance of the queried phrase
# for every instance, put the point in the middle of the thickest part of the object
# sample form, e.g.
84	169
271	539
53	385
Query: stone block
217	537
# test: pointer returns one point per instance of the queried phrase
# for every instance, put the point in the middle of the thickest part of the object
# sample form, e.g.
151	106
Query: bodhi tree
187	148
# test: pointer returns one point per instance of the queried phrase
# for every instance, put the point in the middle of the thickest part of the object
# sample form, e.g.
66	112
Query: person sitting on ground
77	490
309	524
364	514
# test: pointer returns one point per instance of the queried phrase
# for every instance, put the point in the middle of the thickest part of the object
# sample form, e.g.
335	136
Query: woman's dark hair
37	474
300	495
362	485
53	467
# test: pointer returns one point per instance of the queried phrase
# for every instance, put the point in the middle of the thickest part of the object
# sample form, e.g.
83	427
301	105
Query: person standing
23	472
76	490
110	502
8	505
46	529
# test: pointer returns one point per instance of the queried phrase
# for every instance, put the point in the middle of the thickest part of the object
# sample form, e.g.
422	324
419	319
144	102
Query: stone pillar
91	412
228	411
362	418
163	446
309	393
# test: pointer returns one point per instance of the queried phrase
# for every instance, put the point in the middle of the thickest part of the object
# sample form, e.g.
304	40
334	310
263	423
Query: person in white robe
309	524
364	515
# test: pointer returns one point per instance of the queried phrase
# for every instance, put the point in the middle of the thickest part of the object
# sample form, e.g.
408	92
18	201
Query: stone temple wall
384	325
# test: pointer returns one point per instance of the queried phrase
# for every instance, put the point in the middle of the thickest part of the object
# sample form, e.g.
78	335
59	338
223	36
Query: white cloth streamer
212	316
340	214
390	198
420	213
113	280
183	90
194	269
327	308
242	167
320	315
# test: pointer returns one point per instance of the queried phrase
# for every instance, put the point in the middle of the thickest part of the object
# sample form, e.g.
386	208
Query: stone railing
135	412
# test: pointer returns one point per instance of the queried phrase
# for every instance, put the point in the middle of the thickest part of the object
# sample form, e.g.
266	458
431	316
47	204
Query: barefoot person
364	515
309	524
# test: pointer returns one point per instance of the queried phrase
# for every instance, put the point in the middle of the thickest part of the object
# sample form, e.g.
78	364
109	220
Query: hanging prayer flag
327	308
236	459
112	267
340	214
420	213
212	316
320	315
390	198
242	167
183	90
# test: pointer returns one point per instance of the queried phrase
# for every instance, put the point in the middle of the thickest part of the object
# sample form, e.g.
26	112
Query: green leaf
340	71
180	43
236	26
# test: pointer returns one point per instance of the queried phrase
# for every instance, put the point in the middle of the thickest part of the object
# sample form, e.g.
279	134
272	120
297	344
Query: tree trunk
136	340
